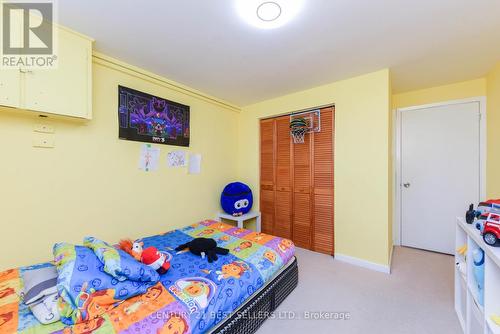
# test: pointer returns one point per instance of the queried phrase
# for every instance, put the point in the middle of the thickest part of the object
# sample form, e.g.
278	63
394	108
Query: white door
440	172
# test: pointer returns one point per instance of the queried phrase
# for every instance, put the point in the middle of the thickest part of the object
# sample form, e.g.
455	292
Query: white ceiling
204	44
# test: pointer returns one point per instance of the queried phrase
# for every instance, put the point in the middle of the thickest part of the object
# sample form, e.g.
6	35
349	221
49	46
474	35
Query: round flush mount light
266	14
268	11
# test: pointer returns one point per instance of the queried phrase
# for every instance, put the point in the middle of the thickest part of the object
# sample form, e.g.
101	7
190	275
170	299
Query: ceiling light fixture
268	11
266	14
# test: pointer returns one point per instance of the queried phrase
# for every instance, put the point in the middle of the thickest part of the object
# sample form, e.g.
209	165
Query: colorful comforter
192	297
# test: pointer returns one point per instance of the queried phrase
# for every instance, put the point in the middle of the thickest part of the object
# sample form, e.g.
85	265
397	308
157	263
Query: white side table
241	219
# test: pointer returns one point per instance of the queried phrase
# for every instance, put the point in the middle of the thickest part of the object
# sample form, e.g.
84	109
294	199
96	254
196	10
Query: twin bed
234	294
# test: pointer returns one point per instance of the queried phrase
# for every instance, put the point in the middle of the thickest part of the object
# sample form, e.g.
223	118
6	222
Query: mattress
194	296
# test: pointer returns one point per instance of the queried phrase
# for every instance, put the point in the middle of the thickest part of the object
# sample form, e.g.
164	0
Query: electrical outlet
44	141
43	128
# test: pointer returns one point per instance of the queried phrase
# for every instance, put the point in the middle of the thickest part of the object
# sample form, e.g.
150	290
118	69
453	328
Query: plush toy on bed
204	246
149	256
236	199
134	248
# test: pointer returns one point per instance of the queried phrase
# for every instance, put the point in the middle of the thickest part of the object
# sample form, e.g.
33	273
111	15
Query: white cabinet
65	90
10	84
474	317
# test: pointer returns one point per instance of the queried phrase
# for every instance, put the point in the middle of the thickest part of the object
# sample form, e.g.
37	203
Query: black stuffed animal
204	246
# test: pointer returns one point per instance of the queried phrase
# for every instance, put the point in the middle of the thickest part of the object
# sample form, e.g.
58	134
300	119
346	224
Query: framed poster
151	119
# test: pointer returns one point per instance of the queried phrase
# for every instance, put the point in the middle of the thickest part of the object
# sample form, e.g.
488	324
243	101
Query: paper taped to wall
194	163
149	158
176	159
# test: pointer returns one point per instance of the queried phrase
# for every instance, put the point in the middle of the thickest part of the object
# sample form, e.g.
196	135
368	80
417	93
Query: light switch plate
43	128
44	141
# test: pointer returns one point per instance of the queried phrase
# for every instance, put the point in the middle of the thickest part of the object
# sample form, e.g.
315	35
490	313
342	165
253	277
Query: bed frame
250	316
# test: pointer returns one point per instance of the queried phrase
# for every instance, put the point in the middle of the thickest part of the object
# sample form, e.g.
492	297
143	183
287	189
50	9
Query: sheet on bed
192	297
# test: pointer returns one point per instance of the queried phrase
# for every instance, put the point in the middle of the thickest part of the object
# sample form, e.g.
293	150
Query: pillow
120	264
46	310
39	283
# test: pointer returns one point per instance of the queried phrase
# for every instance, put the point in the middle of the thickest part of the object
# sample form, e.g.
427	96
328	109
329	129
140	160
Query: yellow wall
493	133
89	184
361	157
456	91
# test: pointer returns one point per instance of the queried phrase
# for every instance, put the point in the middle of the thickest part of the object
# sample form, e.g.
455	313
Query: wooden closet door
283	185
302	224
322	178
267	174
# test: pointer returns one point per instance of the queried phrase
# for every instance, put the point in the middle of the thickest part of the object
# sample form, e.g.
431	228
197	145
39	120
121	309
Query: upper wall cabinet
65	90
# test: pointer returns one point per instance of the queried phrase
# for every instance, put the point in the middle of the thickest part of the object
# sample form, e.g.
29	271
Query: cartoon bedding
102	292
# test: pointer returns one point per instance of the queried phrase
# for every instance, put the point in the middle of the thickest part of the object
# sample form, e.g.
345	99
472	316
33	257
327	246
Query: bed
234	294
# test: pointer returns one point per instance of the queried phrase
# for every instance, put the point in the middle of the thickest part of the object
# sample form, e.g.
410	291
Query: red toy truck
491	229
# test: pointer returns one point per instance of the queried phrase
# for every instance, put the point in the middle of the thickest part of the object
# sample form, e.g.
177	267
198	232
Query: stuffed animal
155	259
204	246
236	199
133	248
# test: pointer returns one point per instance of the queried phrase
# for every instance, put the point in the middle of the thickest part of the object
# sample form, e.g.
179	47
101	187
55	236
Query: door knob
406	185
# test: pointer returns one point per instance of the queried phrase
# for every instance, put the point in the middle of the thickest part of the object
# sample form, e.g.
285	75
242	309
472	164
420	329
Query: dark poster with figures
151	119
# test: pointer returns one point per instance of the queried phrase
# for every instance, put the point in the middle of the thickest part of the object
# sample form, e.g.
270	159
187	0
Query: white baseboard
363	263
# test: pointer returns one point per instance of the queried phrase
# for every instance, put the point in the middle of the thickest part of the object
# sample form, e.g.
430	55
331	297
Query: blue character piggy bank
236	199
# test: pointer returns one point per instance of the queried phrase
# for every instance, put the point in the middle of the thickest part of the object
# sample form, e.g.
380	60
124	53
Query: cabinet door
283	154
302	229
283	214
10	78
65	90
267	174
10	87
323	238
283	195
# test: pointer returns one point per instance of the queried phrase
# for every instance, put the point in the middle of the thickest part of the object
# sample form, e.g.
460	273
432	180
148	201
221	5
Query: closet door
302	225
283	185
322	178
267	175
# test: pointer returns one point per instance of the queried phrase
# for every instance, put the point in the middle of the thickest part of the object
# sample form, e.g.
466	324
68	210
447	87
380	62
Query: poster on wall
151	119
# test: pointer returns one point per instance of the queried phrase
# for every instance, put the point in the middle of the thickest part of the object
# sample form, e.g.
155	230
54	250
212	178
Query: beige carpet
416	298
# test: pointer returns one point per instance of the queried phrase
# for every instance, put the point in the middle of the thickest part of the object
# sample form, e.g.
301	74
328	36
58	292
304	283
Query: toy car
491	229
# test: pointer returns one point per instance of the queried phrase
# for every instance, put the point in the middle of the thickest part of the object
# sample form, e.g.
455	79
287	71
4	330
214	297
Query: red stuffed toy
155	259
149	256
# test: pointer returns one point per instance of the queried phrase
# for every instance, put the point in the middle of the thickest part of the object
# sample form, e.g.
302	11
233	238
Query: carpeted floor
416	298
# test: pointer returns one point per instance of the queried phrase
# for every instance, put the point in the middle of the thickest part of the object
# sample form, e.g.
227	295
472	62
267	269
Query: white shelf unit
475	318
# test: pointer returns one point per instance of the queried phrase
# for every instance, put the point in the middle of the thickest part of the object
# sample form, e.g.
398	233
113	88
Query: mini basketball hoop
302	123
298	134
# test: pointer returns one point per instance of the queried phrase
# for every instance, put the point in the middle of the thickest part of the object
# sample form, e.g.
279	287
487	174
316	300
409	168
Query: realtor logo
28	35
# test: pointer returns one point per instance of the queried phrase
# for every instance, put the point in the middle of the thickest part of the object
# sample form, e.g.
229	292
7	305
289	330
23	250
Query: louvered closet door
302	225
283	186
322	179
267	175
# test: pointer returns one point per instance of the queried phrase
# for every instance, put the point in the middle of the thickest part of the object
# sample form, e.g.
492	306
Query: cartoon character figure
234	269
87	327
206	232
284	245
236	199
239	231
6	292
158	127
259	236
93	305
198	290
224	238
152	294
268	260
159	105
243	245
5	318
175	324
